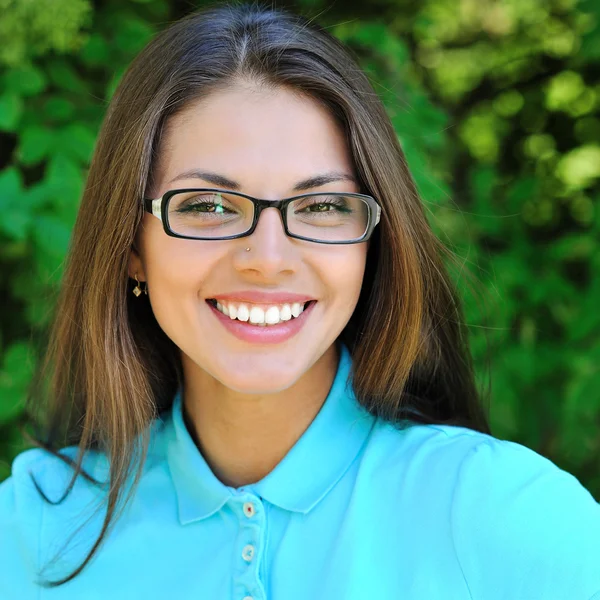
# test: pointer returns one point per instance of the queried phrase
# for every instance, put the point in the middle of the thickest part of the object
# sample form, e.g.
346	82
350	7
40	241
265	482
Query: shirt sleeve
524	528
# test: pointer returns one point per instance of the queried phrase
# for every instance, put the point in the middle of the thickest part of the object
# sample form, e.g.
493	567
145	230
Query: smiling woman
289	410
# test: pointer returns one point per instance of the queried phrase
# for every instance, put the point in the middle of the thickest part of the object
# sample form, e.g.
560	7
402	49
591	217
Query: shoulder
53	475
439	450
470	455
18	493
517	522
24	511
409	474
523	525
20	521
36	469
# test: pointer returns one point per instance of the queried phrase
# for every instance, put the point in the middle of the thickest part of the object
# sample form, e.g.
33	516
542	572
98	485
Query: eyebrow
305	184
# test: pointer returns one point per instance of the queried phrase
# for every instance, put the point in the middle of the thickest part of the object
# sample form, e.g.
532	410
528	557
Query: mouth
260	315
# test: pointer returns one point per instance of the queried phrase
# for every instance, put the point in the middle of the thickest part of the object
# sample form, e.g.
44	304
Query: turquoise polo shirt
358	509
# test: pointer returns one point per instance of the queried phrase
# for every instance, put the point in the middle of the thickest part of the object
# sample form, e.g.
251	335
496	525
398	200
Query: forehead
254	133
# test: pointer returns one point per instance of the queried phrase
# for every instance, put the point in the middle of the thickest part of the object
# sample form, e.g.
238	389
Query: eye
323	204
200	203
203	206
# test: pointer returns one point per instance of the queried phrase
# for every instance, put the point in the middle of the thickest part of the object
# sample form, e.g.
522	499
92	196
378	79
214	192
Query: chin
257	378
258	383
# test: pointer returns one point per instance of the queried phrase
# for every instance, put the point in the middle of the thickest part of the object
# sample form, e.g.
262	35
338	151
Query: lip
258	297
271	334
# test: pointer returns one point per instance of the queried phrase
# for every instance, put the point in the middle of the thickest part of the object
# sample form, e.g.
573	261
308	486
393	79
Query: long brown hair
112	370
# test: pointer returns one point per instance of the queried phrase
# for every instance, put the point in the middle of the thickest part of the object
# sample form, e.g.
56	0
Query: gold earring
137	290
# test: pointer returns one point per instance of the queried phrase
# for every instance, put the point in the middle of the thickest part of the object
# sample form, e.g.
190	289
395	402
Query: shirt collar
305	475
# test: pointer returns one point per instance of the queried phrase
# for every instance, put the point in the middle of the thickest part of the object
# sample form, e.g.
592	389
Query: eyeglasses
213	214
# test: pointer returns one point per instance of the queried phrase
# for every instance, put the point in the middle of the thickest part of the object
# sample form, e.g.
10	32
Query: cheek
170	266
171	263
346	276
175	270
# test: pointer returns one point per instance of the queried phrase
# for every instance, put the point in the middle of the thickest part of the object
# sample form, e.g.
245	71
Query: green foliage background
497	105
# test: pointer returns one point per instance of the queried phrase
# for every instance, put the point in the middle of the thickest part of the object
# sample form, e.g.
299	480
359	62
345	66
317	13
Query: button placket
247	584
248	552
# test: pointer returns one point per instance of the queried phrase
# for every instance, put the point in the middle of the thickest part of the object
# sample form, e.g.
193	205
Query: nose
271	249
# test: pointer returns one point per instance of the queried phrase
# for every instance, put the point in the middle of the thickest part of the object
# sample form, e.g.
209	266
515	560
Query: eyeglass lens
320	217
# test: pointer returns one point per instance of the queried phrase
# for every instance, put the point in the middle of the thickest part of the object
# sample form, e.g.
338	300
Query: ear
136	265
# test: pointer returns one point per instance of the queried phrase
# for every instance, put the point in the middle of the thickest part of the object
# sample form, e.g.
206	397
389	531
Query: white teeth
257	315
272	316
285	314
261	316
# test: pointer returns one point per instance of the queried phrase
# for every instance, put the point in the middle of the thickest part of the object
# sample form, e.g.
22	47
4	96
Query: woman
261	385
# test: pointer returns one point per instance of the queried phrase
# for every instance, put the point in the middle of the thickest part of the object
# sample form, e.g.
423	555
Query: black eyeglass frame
159	208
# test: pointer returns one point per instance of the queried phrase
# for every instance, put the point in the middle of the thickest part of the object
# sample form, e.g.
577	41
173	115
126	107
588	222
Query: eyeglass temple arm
153	206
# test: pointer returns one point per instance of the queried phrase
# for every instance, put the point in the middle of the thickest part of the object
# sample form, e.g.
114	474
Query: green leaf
12	401
64	180
15	223
15	219
95	52
25	80
51	235
17	370
11	109
49	268
37	195
11	185
505	410
17	363
563	89
77	141
58	109
132	34
523	189
483	181
114	82
573	247
590	44
35	144
580	167
63	176
64	76
580	412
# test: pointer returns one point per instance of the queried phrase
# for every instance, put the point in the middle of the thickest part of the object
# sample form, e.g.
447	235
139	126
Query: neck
243	437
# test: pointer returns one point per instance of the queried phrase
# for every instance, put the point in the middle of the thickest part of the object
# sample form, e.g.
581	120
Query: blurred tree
28	28
497	105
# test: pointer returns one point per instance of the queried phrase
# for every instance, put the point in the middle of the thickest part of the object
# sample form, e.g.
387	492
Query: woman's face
267	141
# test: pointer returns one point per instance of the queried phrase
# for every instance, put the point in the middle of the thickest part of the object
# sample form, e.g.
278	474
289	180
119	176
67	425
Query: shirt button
249	509
248	552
